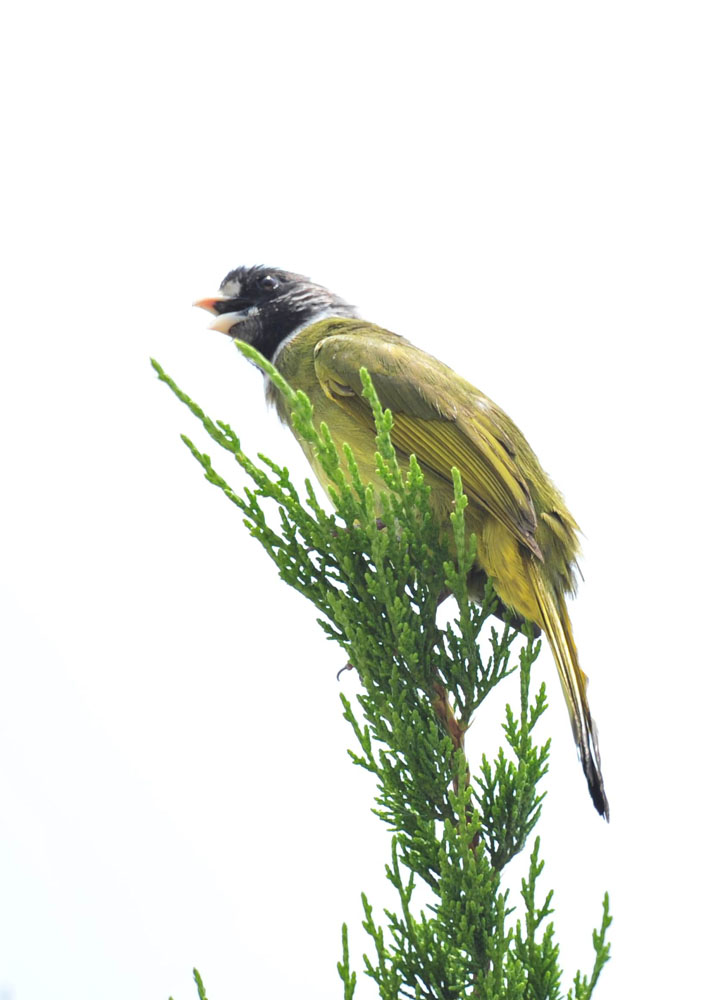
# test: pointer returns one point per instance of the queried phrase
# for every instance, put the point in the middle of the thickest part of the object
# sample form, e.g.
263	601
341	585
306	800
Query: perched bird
526	538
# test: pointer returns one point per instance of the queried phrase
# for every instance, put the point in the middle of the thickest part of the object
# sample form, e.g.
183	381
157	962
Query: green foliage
201	994
376	569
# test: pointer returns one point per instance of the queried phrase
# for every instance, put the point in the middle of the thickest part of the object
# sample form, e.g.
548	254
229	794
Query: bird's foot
347	666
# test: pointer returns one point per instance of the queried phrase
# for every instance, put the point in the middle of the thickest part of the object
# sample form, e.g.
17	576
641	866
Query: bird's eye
267	283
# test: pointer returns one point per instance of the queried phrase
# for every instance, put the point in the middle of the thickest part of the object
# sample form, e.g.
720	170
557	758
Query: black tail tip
596	790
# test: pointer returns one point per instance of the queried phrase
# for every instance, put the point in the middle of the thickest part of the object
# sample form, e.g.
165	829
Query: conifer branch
376	569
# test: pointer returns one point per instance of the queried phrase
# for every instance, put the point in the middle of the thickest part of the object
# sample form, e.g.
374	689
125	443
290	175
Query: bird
527	541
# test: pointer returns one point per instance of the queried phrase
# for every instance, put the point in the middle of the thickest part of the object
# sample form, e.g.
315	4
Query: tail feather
556	625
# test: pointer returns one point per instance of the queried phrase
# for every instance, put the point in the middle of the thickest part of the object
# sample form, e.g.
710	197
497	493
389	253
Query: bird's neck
339	310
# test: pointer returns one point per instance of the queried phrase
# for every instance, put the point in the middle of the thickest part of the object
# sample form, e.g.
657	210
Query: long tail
556	625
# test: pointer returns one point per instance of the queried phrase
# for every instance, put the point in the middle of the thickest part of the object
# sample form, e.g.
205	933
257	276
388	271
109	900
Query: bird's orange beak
209	304
224	322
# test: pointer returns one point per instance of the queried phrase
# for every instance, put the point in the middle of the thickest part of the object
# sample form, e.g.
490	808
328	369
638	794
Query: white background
534	192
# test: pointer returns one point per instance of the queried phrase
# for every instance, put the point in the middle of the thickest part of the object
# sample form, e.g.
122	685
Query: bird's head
264	305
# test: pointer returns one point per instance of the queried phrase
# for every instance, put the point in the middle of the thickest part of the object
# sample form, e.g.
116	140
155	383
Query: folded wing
427	423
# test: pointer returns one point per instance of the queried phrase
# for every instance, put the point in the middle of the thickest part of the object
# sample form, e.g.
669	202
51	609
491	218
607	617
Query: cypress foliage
376	569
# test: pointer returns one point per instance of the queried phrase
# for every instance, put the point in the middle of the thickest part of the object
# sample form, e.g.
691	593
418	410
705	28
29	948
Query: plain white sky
534	192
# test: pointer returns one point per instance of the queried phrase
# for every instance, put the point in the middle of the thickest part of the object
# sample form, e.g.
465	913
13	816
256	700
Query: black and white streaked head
265	306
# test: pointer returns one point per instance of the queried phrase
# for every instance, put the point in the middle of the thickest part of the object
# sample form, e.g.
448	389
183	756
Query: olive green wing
438	416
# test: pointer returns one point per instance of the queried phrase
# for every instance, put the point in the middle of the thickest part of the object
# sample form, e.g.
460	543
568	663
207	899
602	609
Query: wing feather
462	428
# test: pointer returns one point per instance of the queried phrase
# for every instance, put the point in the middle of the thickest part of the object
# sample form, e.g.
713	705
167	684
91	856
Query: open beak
223	322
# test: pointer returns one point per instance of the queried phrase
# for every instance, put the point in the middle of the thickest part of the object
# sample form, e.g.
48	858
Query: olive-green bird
526	538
